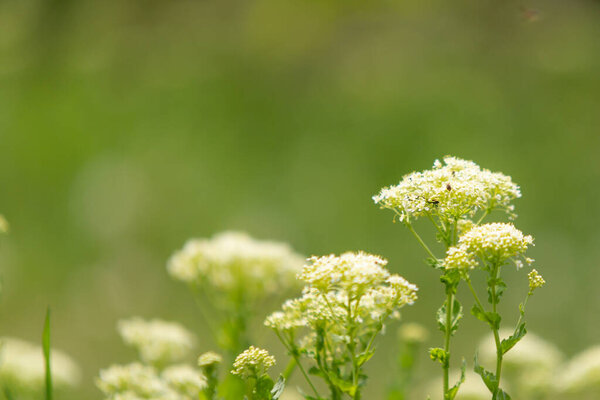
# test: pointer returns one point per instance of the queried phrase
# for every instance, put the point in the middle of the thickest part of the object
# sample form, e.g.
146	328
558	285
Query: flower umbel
253	362
456	189
491	243
535	280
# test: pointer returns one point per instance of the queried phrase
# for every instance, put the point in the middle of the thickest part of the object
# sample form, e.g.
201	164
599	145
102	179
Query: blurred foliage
127	127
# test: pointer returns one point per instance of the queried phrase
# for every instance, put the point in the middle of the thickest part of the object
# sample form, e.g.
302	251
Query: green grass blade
46	348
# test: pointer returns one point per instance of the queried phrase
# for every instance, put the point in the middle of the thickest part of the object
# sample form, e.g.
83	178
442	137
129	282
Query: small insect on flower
253	362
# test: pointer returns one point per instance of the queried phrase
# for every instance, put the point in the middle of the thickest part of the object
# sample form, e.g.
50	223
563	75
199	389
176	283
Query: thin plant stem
289	369
421	242
292	351
447	334
495	328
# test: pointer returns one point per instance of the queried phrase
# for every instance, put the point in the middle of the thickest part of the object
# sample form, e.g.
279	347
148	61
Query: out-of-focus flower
4	226
235	261
455	189
133	381
22	366
185	380
582	372
413	332
158	342
253	362
209	358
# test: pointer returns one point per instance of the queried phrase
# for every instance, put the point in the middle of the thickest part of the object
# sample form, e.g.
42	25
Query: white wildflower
457	189
352	272
413	332
235	261
253	362
132	380
158	342
185	380
495	242
535	280
22	366
209	358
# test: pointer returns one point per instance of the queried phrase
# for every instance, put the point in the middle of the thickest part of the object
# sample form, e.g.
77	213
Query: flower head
185	380
495	242
352	272
158	342
132	379
535	280
209	359
455	189
22	366
235	261
253	362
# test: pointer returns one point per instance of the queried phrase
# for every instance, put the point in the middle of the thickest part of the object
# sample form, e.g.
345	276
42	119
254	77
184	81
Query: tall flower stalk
346	304
489	248
454	196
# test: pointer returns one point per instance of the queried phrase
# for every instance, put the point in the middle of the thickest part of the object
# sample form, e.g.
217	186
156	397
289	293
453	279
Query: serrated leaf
457	314
278	388
491	318
344	386
488	377
513	339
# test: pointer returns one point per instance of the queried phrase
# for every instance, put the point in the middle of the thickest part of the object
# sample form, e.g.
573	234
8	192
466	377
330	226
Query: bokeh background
127	127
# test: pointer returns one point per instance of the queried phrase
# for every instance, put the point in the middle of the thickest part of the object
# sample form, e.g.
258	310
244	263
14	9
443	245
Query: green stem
495	270
421	242
447	334
292	350
289	369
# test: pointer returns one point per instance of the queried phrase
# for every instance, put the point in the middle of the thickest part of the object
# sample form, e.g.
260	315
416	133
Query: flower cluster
22	366
352	285
495	242
158	342
353	273
235	261
209	359
345	303
535	280
253	362
138	381
455	189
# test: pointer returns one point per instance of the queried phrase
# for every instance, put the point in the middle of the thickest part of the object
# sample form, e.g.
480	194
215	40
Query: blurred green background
127	127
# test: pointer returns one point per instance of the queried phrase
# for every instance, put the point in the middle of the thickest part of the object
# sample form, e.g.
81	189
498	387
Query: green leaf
488	377
491	318
499	286
278	388
457	314
364	357
264	385
46	350
500	395
451	393
343	385
512	340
